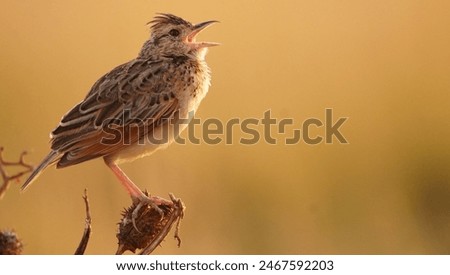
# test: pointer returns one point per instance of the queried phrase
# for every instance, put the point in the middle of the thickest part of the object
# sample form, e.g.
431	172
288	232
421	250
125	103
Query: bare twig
87	227
8	179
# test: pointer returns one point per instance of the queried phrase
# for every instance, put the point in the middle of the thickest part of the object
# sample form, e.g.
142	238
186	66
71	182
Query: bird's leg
137	196
132	189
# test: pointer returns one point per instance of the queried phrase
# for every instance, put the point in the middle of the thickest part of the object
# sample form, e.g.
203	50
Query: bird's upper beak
190	39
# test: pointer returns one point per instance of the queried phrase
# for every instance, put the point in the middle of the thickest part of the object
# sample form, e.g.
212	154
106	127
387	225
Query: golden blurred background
383	64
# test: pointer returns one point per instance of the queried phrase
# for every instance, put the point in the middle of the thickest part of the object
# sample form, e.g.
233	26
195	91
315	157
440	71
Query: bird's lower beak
196	30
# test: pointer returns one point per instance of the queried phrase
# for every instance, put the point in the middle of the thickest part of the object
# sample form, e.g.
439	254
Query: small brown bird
129	112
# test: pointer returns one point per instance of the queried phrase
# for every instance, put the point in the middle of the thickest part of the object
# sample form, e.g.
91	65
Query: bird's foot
151	202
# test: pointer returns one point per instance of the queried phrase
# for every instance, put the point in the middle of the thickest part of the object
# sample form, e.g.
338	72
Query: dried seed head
10	243
152	228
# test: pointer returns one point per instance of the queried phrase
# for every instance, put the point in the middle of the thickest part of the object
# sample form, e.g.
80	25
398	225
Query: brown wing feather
131	100
100	143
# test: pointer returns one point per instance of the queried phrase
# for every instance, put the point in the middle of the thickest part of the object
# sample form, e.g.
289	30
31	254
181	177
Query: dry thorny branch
147	231
8	179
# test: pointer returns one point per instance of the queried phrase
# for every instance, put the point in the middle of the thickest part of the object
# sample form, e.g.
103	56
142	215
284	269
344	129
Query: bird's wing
122	107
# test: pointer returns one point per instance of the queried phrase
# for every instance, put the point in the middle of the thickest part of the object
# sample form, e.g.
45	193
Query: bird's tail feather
50	159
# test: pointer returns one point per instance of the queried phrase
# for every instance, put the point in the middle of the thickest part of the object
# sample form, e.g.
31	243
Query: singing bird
126	112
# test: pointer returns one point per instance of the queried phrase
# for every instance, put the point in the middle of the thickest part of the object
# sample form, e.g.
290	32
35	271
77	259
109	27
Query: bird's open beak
190	39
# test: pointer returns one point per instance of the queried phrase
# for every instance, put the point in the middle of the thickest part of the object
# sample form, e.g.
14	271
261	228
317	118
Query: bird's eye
174	32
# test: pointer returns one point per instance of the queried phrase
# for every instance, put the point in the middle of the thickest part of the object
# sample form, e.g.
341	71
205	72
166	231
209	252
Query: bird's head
174	36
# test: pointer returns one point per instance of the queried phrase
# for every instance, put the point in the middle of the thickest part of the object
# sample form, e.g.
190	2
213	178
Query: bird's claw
143	202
